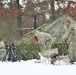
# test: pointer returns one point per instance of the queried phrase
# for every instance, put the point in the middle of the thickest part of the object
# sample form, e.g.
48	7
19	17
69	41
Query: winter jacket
72	51
44	39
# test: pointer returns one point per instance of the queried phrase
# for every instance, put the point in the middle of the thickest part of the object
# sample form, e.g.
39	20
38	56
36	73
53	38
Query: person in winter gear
2	48
45	40
72	51
72	46
3	44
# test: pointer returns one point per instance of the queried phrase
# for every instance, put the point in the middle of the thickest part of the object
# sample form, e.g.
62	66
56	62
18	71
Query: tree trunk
52	10
34	21
19	19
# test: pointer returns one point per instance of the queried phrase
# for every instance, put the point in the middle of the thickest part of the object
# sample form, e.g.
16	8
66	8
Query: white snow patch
29	67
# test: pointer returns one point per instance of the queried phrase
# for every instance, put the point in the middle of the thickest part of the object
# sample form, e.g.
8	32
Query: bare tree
19	18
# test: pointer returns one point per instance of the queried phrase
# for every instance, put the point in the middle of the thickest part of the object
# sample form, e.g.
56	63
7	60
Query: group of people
45	40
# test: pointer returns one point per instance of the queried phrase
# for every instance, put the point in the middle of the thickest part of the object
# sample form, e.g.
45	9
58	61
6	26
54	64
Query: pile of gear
8	52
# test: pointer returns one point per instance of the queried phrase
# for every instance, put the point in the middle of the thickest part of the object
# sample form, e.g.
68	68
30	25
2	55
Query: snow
72	0
29	67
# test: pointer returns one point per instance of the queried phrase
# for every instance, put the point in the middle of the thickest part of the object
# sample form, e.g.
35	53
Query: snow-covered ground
30	67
